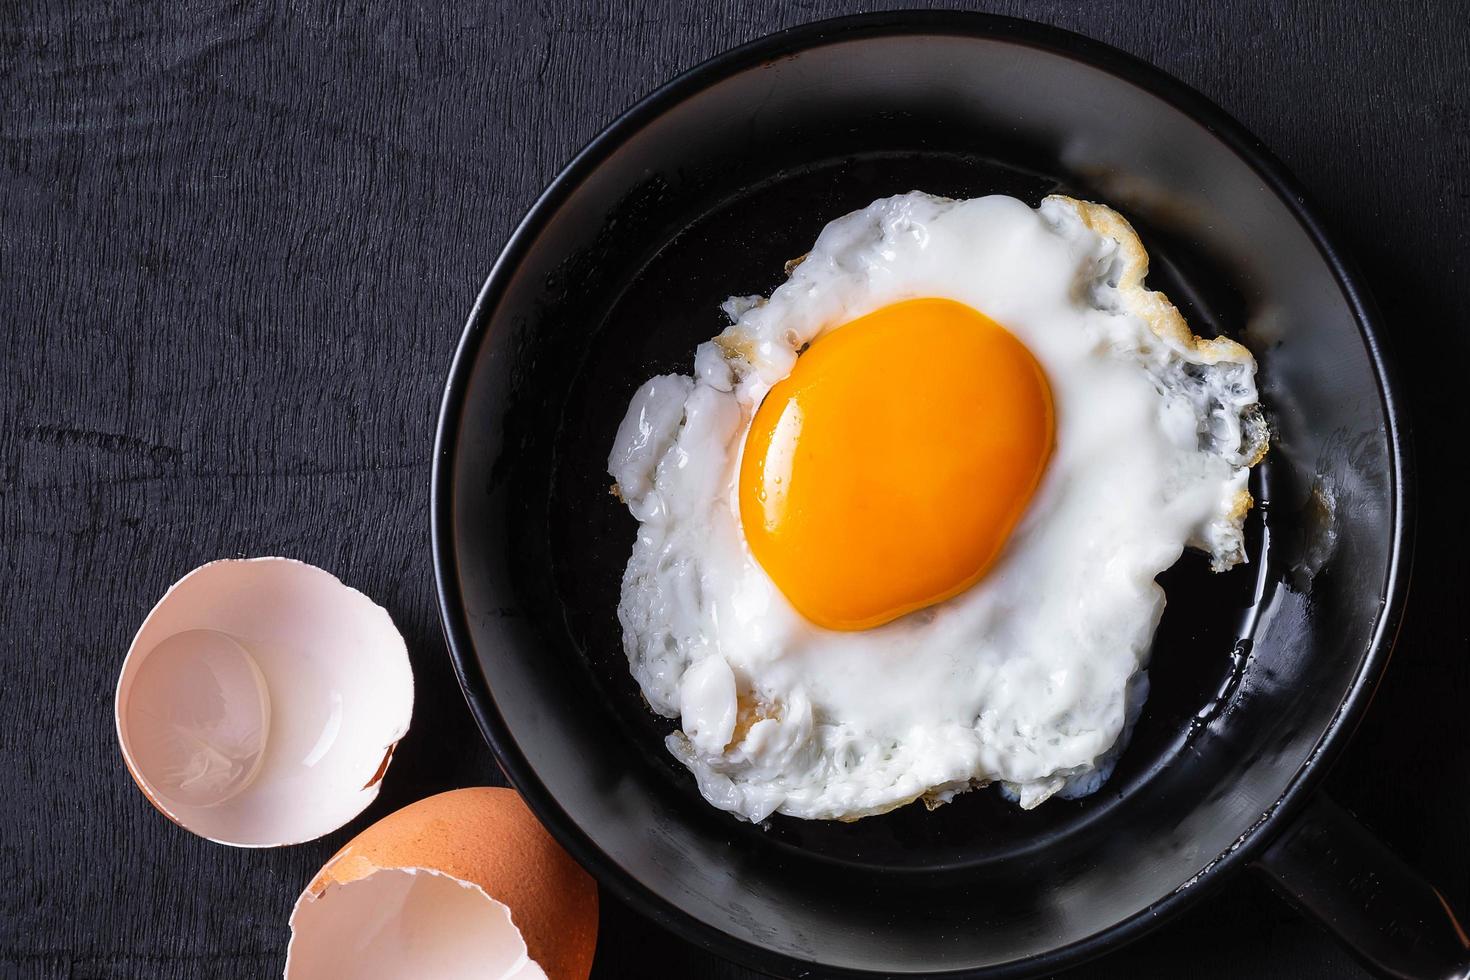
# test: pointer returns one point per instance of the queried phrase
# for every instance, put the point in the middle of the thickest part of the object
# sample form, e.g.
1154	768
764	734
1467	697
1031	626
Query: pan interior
670	305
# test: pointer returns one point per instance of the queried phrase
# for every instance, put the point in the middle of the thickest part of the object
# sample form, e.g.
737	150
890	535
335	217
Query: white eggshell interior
402	923
274	704
198	718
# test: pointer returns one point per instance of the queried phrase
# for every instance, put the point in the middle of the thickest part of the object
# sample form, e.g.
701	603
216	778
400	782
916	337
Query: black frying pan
703	190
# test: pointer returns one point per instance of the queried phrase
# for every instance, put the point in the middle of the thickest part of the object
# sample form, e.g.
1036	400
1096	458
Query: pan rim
1157	83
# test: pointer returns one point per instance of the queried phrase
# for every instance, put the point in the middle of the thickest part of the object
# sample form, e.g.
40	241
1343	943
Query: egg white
1029	678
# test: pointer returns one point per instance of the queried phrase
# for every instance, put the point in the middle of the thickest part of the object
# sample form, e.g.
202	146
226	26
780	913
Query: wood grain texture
237	245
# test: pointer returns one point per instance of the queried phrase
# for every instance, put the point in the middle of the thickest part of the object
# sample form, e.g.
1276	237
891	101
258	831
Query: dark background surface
237	245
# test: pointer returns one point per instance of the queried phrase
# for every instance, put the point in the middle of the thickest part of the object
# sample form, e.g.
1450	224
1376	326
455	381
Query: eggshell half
474	857
261	700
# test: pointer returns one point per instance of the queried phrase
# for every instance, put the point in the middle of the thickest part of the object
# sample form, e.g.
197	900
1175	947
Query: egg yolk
886	472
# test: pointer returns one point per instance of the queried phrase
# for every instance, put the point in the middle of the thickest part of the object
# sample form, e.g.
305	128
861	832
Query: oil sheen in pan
739	246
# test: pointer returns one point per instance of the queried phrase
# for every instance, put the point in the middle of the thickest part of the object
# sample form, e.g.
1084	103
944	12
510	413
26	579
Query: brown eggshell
487	836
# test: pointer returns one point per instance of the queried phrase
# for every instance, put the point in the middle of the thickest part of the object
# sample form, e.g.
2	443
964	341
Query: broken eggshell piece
260	702
462	884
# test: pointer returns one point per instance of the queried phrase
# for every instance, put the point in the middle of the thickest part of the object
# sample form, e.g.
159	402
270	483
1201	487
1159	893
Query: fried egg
898	531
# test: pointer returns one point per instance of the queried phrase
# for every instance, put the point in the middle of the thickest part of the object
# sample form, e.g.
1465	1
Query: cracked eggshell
261	700
463	884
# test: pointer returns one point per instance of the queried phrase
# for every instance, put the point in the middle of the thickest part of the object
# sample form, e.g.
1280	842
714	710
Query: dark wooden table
237	245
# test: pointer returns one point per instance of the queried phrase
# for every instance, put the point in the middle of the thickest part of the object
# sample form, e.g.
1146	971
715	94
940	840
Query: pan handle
1329	866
